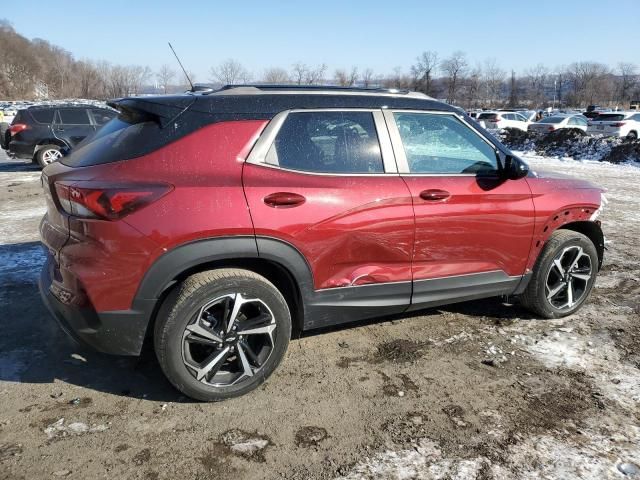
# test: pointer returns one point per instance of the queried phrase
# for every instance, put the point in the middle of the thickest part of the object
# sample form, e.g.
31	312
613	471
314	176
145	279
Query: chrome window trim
258	154
398	146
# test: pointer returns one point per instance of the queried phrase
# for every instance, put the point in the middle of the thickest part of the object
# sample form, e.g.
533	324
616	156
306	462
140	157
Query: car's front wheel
563	276
221	333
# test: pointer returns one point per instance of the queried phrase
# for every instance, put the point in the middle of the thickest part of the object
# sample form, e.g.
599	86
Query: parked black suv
41	132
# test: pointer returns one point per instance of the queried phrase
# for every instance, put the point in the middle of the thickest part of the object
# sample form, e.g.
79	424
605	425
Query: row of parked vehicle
616	124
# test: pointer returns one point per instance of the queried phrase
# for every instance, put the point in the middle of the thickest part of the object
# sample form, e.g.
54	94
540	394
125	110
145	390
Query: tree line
36	68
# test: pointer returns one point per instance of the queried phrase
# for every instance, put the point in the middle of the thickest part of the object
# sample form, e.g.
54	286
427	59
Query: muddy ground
479	390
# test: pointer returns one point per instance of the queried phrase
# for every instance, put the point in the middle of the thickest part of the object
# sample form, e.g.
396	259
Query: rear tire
563	276
48	154
222	333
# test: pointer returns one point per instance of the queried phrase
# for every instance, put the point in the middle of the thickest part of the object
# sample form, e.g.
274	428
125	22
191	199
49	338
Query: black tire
535	296
184	306
43	151
632	136
4	135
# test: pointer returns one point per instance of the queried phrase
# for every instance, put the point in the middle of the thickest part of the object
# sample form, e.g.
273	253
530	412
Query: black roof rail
302	88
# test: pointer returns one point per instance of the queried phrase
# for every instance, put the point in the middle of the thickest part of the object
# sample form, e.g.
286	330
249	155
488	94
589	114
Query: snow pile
572	143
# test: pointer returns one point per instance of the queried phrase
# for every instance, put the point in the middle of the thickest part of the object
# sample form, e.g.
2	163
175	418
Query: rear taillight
107	202
551	129
618	124
17	128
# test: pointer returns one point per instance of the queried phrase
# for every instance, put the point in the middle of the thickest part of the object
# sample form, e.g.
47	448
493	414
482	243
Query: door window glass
74	116
328	142
442	144
102	116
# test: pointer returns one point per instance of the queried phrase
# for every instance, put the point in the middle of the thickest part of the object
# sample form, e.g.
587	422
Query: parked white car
558	122
616	124
500	120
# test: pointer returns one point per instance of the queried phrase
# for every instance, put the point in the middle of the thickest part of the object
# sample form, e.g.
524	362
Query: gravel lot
479	390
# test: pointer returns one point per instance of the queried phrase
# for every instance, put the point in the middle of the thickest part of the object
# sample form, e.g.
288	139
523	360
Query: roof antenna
183	70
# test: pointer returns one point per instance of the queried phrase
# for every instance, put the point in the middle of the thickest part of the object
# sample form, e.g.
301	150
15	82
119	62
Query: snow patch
59	429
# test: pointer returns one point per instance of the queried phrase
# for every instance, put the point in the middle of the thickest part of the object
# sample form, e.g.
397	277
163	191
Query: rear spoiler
163	110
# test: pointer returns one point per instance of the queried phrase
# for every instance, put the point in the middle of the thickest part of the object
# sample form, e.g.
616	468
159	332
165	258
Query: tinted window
102	116
552	120
328	142
609	117
487	116
74	116
43	116
519	117
443	144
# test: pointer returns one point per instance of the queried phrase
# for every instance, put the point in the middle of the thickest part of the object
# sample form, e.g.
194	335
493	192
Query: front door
473	228
327	185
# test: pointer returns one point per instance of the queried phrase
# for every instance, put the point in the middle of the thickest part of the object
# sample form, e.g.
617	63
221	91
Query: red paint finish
353	230
467	225
106	260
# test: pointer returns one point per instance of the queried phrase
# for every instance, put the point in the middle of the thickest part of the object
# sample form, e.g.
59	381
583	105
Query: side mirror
513	167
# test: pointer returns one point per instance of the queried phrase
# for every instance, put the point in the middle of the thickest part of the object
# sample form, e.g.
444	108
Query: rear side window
442	144
102	116
74	116
328	142
43	116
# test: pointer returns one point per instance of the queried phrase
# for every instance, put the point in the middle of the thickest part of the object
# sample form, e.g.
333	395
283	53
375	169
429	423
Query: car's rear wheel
563	276
222	333
48	154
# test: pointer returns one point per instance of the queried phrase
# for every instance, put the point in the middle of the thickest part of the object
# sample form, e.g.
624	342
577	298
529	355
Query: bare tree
536	79
367	78
230	72
472	87
276	75
424	70
627	81
299	72
591	82
493	79
454	68
165	76
314	76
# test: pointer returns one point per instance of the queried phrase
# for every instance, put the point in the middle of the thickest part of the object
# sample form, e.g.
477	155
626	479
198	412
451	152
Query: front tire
563	276
222	333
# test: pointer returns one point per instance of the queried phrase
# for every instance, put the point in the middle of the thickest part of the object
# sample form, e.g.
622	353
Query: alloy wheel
568	278
50	155
229	340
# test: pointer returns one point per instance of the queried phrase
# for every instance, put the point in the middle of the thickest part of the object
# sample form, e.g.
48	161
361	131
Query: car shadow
15	165
33	349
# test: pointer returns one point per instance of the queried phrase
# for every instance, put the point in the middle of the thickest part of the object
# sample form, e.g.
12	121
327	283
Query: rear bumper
21	149
117	333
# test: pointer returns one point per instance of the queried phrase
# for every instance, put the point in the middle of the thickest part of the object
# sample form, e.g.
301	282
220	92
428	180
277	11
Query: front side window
442	144
327	142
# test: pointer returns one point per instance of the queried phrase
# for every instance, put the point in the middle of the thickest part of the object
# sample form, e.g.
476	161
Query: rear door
72	125
473	229
325	182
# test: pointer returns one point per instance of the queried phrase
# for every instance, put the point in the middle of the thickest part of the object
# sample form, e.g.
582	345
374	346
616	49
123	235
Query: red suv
217	222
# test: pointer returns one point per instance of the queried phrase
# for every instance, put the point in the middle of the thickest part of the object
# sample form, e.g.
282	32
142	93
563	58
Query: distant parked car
500	120
558	122
616	124
41	132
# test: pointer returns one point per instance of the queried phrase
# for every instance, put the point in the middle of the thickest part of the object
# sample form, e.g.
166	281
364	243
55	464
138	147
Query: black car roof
264	101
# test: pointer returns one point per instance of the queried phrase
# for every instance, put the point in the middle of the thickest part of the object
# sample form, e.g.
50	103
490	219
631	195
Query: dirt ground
479	390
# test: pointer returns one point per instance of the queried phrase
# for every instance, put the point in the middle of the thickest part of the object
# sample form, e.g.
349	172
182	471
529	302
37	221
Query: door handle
434	195
284	200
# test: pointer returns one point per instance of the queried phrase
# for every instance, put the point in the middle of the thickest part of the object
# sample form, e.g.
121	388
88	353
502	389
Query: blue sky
368	34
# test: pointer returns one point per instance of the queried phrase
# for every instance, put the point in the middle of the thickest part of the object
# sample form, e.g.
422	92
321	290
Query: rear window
130	135
487	116
609	117
43	116
552	120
